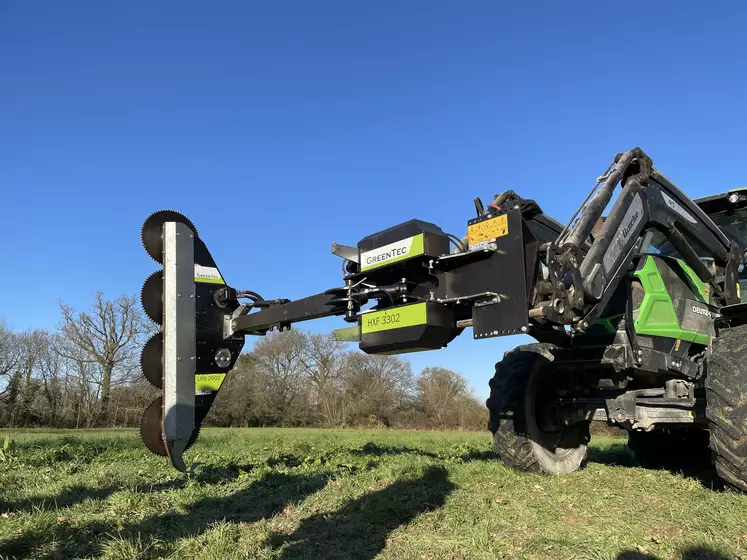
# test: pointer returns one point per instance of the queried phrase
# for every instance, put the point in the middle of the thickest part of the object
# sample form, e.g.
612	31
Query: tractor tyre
726	405
676	448
517	393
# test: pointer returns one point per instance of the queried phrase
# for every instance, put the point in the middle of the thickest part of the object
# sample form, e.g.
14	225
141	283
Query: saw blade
151	297
151	360
152	231
150	429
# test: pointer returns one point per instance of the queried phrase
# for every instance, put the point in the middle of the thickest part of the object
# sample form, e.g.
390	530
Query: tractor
636	314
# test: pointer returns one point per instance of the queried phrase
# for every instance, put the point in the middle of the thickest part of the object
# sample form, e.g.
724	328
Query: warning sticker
487	230
208	274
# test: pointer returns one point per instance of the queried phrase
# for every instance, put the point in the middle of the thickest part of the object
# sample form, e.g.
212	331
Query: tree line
86	374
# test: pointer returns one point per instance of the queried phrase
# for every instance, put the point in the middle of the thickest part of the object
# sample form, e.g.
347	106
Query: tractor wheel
524	436
676	448
726	405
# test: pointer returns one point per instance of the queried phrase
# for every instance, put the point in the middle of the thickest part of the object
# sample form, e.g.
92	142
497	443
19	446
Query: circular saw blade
150	429
152	231
151	297
151	360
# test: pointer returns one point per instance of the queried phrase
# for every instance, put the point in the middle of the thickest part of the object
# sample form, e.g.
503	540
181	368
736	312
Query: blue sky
279	127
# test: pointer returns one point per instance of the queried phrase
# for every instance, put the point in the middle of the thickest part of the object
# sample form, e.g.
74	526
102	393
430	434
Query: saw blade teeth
151	360
150	428
193	437
151	297
151	232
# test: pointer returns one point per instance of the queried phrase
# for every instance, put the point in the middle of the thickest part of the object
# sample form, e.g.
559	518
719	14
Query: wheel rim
547	442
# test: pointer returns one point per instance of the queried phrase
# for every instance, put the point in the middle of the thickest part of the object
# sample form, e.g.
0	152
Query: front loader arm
647	201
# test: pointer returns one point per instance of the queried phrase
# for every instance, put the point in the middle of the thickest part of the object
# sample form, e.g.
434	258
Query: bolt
524	329
516	207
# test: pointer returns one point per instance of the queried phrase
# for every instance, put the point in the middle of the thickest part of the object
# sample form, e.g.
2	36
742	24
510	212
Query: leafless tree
379	385
32	345
323	359
107	337
442	393
53	377
280	357
8	355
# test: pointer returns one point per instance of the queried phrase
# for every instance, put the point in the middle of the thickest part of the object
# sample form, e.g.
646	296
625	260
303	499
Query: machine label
487	230
208	274
697	317
394	252
395	318
677	208
629	223
208	382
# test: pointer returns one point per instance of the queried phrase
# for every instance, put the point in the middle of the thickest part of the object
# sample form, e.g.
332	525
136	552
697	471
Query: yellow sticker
205	382
488	229
394	318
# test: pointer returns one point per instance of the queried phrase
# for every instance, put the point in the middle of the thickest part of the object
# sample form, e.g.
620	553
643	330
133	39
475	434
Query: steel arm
648	201
282	315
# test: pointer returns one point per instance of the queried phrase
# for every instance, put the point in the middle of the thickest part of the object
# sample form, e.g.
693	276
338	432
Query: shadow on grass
79	493
694	553
373	449
74	495
619	454
359	530
263	498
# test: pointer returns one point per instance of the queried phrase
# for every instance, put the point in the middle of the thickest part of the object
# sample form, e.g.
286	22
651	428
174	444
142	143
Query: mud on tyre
726	405
524	435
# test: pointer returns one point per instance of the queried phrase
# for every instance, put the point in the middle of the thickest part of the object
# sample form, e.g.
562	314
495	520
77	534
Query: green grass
291	493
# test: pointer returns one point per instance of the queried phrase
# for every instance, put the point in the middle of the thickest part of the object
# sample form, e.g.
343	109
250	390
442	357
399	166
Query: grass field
291	493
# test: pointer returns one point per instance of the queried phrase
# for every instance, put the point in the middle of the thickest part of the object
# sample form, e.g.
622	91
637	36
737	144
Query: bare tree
32	344
280	357
323	360
442	394
53	376
8	355
108	337
379	385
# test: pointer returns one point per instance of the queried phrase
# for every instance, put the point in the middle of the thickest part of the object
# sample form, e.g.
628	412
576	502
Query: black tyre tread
726	405
510	438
